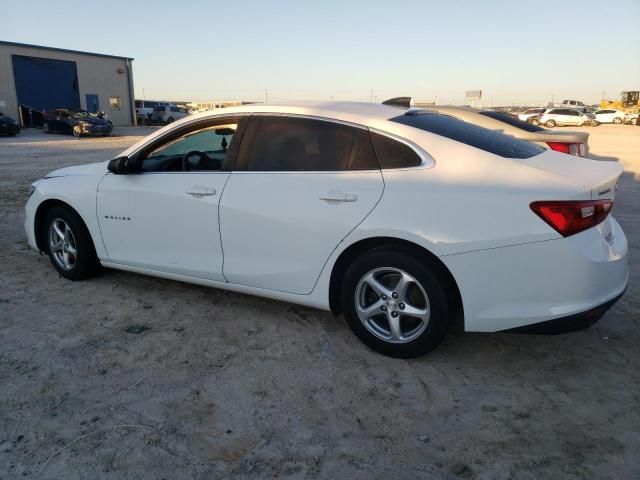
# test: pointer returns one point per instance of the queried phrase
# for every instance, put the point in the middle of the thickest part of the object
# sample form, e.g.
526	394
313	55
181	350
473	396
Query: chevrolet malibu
398	219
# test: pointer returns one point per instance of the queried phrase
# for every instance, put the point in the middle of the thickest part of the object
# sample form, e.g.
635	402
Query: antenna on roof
403	102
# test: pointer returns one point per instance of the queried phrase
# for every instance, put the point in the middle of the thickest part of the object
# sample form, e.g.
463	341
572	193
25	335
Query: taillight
571	217
570	148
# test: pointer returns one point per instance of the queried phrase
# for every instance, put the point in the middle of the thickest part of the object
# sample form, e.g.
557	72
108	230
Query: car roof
354	112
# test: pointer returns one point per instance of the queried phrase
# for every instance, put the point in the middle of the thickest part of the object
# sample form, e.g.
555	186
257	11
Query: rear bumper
510	287
570	323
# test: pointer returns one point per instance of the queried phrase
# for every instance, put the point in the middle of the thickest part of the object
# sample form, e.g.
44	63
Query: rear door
299	187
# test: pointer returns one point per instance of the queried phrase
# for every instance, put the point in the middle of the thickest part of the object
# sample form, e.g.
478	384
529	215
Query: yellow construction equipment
629	103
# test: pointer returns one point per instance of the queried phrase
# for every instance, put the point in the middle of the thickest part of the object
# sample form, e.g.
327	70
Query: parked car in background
573	103
610	116
168	113
574	143
561	117
76	122
8	126
530	114
367	210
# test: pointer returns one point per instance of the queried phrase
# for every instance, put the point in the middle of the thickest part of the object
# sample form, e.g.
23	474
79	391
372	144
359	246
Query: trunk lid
600	177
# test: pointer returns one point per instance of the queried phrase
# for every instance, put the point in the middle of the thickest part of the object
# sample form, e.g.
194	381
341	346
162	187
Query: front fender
79	192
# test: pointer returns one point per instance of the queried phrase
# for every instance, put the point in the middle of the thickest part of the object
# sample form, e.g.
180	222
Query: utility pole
266	96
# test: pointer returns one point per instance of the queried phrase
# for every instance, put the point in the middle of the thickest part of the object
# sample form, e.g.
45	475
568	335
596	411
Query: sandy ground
224	385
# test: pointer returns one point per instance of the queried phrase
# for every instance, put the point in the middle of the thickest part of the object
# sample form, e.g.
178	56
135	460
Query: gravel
223	385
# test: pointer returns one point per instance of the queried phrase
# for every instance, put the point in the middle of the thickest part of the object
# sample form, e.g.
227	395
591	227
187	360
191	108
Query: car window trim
427	161
191	127
241	163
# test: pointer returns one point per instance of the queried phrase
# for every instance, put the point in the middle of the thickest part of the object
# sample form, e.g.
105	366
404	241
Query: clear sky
515	51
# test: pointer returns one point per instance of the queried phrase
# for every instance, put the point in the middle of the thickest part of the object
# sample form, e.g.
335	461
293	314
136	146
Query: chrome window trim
427	160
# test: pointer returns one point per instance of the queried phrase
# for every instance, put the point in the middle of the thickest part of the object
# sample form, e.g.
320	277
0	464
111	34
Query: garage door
45	84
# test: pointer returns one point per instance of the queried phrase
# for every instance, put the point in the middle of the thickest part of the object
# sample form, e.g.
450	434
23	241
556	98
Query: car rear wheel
395	303
45	127
550	123
69	244
170	120
77	131
534	121
617	120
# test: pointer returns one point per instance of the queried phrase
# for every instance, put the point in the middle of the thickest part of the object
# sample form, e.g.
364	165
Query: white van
168	113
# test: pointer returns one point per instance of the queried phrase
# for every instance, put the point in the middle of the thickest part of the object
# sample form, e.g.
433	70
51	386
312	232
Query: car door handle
339	197
200	191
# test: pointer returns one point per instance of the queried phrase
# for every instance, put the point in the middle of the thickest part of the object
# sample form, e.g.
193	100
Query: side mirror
120	165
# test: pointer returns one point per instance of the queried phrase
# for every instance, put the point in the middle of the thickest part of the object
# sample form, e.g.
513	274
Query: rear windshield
514	122
158	109
469	134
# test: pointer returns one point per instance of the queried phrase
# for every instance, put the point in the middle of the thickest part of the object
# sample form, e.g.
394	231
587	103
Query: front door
165	218
299	187
93	105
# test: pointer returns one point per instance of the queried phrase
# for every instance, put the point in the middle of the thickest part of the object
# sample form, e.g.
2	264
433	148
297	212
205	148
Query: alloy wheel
62	244
392	305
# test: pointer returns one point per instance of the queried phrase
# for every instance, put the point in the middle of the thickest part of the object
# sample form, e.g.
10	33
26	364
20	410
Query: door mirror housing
120	165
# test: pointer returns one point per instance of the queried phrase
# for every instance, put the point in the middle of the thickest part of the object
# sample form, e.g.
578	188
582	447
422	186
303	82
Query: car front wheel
77	131
550	123
617	120
395	303
46	128
69	244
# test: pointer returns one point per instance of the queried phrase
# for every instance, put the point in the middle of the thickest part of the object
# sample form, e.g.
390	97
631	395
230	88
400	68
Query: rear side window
394	154
469	134
514	122
290	144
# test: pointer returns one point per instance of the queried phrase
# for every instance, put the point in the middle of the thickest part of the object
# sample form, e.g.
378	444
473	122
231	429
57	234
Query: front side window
281	144
205	149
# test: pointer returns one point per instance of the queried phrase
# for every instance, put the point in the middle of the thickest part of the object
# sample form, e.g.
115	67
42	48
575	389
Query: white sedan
399	219
610	116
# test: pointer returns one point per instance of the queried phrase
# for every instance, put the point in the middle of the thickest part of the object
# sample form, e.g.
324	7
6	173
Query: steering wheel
186	164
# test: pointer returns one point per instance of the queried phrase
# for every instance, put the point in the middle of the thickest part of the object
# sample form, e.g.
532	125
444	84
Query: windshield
80	114
514	122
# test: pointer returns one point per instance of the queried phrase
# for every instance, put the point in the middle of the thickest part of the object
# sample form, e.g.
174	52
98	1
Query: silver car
560	117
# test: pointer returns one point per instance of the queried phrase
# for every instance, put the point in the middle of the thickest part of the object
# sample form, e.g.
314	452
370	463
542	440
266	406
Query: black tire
425	275
76	130
617	120
550	123
170	120
86	261
45	127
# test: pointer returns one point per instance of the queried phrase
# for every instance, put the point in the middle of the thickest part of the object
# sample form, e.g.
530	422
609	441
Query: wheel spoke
65	259
372	309
67	233
72	250
57	247
59	232
411	311
376	286
394	326
402	286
